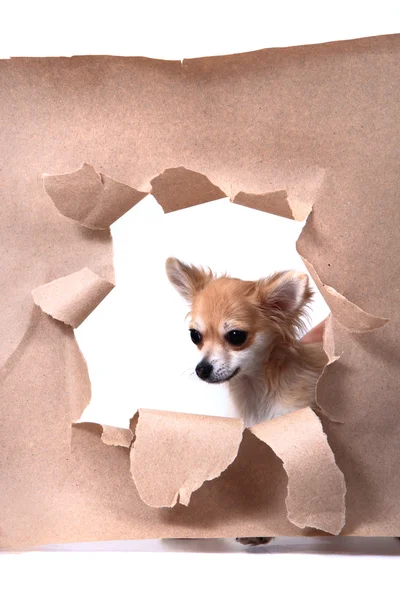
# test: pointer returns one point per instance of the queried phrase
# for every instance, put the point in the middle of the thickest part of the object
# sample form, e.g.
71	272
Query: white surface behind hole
136	342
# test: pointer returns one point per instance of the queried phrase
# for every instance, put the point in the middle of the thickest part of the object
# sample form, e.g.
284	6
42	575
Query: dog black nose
204	369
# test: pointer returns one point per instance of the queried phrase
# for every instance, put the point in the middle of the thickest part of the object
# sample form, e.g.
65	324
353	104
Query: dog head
236	324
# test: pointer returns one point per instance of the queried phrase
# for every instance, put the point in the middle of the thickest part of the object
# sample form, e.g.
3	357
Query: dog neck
283	383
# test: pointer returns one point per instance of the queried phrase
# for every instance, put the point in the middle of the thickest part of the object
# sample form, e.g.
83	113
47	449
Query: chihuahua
248	335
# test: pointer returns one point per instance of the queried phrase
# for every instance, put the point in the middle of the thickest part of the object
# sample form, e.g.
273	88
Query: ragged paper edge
72	298
96	200
92	199
314	499
349	315
147	464
179	187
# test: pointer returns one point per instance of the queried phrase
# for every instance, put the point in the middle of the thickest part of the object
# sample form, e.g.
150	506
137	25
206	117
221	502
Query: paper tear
116	436
93	199
316	486
275	203
179	188
352	317
175	453
72	298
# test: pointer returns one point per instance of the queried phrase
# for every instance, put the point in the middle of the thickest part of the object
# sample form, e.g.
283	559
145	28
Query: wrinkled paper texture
293	128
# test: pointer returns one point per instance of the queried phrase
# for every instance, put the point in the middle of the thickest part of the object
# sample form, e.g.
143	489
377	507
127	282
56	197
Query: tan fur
276	373
288	383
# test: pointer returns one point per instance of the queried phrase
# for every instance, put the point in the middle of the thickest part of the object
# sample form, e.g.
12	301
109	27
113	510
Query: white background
175	30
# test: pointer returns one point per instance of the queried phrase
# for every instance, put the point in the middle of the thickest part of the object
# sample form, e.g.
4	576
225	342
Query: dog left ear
187	279
288	291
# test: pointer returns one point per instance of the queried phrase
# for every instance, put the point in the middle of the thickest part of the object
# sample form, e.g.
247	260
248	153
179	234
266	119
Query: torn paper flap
91	198
316	486
179	188
72	298
348	314
116	436
275	203
174	454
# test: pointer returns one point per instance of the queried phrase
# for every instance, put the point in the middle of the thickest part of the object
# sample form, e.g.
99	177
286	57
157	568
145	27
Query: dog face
235	324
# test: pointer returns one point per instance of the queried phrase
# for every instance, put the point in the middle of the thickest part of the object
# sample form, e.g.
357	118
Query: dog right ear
187	279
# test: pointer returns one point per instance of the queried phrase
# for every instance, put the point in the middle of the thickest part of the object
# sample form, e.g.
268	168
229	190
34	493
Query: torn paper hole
155	369
316	486
348	314
72	298
175	453
202	458
93	199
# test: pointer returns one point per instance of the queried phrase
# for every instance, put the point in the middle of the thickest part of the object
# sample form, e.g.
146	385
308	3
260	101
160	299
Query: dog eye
196	336
236	337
